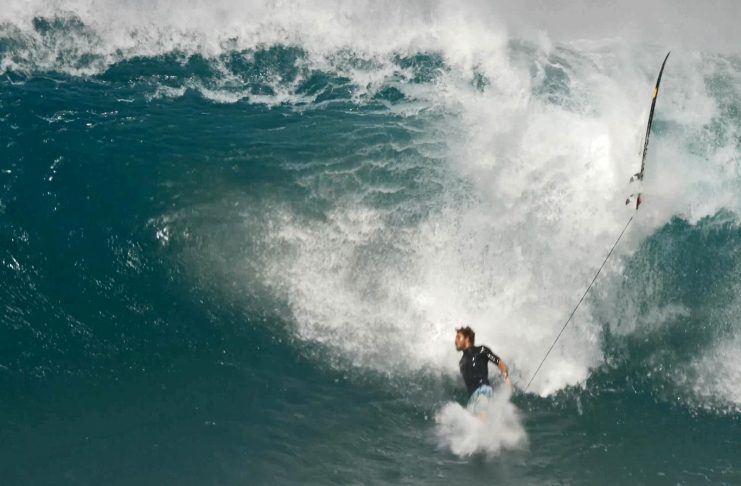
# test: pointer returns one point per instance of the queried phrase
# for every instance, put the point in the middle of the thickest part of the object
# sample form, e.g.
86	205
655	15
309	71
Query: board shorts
479	398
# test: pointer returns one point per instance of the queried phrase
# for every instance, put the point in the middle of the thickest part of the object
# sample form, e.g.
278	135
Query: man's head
464	338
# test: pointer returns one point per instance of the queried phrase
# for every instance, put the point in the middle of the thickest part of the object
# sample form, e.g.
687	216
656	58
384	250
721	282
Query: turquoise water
238	256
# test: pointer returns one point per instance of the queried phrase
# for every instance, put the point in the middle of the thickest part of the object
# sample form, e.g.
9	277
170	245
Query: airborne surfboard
638	176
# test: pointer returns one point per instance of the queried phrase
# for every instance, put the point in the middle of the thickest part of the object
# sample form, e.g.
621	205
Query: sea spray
496	427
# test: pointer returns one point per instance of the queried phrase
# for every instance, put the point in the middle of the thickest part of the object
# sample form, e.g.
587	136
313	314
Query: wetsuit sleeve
490	355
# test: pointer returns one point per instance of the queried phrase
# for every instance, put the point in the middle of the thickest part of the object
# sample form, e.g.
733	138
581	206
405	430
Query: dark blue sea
236	240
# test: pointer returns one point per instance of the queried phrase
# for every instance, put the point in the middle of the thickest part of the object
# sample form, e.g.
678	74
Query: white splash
498	427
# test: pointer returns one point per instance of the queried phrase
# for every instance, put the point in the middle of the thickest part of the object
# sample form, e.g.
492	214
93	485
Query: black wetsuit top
474	366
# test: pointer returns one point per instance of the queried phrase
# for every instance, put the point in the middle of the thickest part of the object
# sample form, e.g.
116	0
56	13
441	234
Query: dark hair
467	333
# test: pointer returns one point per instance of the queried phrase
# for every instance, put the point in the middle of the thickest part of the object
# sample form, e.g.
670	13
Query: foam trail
499	427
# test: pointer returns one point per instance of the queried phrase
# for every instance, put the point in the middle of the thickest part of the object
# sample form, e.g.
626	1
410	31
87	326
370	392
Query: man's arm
503	370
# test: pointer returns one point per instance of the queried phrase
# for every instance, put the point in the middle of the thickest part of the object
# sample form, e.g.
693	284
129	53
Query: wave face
237	238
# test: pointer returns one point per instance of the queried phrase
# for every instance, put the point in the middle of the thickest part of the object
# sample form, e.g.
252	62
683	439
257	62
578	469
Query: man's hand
504	371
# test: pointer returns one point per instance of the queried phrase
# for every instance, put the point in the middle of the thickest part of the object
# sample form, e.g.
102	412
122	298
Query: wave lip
83	37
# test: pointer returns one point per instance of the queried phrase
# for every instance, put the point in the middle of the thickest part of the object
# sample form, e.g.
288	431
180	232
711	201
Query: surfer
474	368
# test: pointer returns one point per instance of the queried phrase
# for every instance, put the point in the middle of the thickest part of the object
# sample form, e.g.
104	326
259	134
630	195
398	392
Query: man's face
461	342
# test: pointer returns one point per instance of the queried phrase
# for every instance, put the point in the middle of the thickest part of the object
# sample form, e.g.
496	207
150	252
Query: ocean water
236	239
